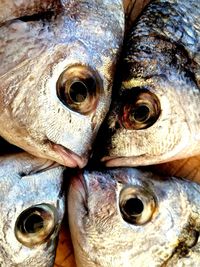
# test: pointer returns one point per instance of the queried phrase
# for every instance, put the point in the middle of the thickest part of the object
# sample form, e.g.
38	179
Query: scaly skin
164	234
188	168
161	57
12	9
26	181
34	52
64	256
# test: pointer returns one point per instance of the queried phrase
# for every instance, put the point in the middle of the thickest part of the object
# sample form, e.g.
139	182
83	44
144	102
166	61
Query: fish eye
79	88
142	112
36	224
137	205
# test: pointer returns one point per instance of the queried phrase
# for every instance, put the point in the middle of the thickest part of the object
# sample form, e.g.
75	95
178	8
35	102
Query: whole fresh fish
128	217
155	115
32	207
56	76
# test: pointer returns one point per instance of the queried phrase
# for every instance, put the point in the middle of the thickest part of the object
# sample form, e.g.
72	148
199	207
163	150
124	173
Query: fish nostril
193	239
117	125
184	247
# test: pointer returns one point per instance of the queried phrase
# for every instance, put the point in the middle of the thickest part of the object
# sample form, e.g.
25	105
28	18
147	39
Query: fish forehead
118	178
117	242
76	22
23	185
35	53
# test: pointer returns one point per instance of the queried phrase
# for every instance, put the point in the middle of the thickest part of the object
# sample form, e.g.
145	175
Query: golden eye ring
36	224
137	205
79	88
142	112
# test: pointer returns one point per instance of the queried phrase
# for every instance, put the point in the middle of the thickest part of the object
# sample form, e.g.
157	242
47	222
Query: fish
56	77
32	206
155	115
130	217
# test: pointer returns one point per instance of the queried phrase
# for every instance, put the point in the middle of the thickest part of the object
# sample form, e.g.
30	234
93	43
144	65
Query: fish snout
70	158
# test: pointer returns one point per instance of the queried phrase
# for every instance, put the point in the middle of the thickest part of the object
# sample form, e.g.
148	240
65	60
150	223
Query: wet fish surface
56	76
32	206
128	217
155	115
12	9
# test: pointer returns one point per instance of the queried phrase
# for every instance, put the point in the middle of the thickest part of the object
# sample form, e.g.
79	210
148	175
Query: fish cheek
163	136
102	204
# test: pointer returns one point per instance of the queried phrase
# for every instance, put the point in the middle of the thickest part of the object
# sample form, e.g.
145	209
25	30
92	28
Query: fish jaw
101	237
36	118
28	182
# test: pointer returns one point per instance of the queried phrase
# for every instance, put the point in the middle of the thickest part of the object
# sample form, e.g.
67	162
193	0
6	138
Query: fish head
56	90
32	206
152	121
155	115
127	217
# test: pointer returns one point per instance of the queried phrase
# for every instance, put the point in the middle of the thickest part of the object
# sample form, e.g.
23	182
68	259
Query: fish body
155	115
32	206
128	217
56	76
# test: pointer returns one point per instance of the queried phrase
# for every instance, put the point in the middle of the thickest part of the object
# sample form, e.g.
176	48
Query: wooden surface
64	253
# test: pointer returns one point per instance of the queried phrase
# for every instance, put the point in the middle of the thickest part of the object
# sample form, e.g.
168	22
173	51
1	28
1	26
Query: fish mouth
78	184
110	161
132	161
70	159
48	165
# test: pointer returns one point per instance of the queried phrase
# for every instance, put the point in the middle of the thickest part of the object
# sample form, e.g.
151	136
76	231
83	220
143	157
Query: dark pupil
78	91
33	223
140	113
133	207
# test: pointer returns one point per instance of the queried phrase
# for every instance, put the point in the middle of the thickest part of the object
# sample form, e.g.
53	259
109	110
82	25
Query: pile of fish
97	82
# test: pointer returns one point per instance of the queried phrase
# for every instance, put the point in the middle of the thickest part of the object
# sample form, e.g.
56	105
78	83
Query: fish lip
78	183
110	161
130	161
70	158
48	166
